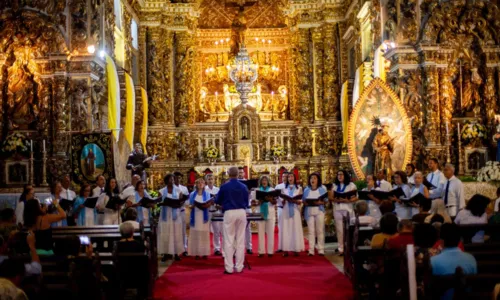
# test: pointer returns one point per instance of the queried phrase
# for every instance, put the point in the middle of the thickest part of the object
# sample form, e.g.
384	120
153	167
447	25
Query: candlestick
32	167
31	145
44	167
43	145
272	105
460	159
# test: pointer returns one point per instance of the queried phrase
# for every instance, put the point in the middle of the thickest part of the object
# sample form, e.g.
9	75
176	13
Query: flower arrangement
278	151
490	172
15	143
211	152
473	133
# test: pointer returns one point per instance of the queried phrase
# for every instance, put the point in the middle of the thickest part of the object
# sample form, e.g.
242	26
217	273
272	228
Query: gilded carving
183	76
447	94
109	26
78	97
99	105
304	141
330	74
78	10
431	99
317	37
410	84
302	59
407	29
490	97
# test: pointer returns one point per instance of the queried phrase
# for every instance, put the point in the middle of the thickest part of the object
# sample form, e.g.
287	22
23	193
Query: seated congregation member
437	223
315	214
199	230
424	208
361	208
452	257
84	216
452	191
111	215
170	241
404	236
410	173
55	191
474	213
267	209
143	213
418	187
37	220
28	194
12	273
438	208
22	243
401	181
215	226
388	228
496	208
373	204
128	244
131	217
8	223
425	235
387	206
293	235
342	184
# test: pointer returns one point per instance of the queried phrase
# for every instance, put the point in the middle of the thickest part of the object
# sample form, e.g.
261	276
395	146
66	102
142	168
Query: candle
447	133
31	145
43	145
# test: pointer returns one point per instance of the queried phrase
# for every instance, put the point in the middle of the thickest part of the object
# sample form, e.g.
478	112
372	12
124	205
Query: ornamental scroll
377	110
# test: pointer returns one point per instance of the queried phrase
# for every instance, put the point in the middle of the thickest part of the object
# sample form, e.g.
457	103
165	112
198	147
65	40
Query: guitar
140	166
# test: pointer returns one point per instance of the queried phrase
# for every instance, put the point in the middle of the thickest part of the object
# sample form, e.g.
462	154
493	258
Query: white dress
266	227
199	234
293	235
373	209
414	190
111	217
170	239
403	211
339	211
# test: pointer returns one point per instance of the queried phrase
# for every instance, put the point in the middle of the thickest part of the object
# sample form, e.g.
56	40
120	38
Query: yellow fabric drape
144	133
344	112
130	118
358	87
113	98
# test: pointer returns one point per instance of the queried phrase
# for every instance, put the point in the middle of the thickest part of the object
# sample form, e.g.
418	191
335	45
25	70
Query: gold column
446	95
127	18
109	27
330	75
431	100
317	37
490	98
60	115
305	95
183	78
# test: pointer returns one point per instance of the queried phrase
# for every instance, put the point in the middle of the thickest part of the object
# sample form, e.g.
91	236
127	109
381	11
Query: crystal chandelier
243	73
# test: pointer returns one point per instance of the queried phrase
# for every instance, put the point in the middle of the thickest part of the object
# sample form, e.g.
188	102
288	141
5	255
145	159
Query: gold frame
351	141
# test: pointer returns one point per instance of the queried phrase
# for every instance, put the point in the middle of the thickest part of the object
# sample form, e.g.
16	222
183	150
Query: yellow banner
144	132
344	112
130	117
113	98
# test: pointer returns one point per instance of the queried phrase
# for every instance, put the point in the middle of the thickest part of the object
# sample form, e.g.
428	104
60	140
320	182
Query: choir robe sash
264	207
291	206
81	215
205	197
164	209
321	190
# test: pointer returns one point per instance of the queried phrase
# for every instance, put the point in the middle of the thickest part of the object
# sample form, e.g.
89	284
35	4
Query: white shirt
97	191
279	202
344	206
466	217
384	185
314	210
437	180
128	193
456	200
411	179
182	189
496	204
213	191
67	194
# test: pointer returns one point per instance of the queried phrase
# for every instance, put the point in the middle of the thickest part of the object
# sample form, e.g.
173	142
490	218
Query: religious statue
471	90
238	28
383	145
90	163
244	128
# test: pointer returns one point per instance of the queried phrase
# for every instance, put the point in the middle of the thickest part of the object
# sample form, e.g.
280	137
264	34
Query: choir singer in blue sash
233	197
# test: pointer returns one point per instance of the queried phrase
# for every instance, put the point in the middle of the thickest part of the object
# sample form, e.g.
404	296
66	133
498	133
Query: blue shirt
233	195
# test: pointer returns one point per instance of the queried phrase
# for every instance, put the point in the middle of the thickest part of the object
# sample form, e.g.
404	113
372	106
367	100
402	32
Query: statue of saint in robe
383	145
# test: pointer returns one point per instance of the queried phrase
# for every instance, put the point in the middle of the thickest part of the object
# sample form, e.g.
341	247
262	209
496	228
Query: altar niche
244	134
245	129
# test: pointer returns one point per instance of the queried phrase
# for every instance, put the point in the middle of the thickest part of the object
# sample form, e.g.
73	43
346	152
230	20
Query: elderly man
452	191
233	197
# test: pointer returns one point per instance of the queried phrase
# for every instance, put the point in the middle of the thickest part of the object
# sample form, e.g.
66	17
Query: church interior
306	87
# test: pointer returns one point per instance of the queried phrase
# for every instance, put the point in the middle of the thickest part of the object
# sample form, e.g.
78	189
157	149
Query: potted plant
15	146
211	153
473	134
277	152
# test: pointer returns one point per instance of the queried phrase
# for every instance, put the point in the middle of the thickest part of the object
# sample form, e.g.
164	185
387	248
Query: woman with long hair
267	209
111	215
84	216
170	240
199	230
293	236
28	194
342	184
143	213
37	220
410	173
474	213
401	181
55	191
314	213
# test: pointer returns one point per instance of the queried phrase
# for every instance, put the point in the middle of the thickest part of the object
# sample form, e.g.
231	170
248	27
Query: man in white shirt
279	203
436	177
68	194
248	231
129	190
184	191
216	226
382	183
452	191
96	192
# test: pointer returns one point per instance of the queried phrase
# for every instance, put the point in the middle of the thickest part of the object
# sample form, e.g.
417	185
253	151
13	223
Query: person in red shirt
405	236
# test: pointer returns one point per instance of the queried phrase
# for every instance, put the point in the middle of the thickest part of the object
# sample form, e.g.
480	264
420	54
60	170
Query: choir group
287	201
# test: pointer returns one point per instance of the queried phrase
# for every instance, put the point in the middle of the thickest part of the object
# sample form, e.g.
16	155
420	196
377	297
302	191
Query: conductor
233	197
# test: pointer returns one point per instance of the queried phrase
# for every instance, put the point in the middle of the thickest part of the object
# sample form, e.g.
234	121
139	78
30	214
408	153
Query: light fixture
393	45
91	49
243	73
102	53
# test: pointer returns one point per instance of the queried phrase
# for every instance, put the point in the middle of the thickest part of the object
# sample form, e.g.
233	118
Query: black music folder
201	204
428	184
90	202
65	204
114	201
346	195
415	199
288	198
381	195
250	183
146	201
261	195
174	203
311	201
363	195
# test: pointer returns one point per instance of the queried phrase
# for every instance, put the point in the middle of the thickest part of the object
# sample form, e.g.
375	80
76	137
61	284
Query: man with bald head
233	197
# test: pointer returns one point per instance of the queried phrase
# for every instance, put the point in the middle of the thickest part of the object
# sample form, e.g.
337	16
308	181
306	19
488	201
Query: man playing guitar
138	161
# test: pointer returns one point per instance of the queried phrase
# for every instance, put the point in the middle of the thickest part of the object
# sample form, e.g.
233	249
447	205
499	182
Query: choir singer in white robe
315	214
266	208
293	234
233	197
216	226
342	184
199	229
279	204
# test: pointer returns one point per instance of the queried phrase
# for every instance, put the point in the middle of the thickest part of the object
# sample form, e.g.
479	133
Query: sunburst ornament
376	122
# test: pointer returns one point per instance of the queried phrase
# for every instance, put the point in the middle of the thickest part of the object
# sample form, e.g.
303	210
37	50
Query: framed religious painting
92	155
379	132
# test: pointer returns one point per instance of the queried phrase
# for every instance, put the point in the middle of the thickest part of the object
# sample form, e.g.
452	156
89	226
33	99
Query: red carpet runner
270	278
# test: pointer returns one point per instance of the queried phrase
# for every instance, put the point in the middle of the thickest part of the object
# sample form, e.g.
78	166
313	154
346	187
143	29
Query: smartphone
84	240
